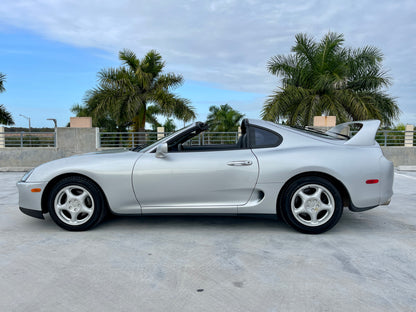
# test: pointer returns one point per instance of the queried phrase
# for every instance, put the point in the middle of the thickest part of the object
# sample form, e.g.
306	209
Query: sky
51	50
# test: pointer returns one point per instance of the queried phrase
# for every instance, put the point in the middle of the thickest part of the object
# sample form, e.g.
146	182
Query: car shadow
193	222
350	222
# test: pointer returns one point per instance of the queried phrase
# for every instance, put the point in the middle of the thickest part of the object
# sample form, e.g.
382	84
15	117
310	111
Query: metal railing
395	137
209	138
27	139
129	139
133	139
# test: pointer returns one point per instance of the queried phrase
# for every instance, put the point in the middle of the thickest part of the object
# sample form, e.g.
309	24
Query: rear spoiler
364	137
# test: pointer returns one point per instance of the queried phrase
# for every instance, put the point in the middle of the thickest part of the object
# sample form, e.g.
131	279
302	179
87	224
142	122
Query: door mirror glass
162	150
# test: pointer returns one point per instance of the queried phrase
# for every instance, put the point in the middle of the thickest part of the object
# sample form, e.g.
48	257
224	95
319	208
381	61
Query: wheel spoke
74	216
304	196
300	209
61	207
326	207
314	217
82	196
86	209
318	194
69	194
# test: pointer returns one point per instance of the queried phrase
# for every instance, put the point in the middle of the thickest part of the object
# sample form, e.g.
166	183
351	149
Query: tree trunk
139	122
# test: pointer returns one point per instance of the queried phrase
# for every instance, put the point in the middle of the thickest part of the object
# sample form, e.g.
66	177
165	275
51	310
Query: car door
197	181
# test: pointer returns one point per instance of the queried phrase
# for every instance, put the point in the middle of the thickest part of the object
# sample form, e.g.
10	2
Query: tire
76	204
311	205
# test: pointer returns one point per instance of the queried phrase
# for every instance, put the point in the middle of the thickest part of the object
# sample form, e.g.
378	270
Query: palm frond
305	48
130	59
5	117
2	81
169	80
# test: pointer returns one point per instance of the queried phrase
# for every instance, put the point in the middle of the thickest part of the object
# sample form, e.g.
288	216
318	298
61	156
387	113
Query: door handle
240	163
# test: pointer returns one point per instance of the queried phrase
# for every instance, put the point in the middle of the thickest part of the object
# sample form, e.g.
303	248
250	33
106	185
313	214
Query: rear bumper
359	209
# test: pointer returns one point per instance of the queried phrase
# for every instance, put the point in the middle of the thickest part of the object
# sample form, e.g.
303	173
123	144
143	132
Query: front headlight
27	175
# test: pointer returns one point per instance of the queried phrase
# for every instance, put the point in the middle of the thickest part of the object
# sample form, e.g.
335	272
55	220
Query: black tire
311	205
76	204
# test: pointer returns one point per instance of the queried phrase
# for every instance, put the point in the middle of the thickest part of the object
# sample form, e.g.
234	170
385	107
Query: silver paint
228	181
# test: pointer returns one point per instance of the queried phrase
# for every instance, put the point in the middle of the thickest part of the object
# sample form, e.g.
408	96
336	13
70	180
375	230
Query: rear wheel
311	205
76	204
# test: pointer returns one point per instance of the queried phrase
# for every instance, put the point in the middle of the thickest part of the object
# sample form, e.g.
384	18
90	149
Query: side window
196	141
260	137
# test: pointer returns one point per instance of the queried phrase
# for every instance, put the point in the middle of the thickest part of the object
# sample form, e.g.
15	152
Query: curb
406	168
15	169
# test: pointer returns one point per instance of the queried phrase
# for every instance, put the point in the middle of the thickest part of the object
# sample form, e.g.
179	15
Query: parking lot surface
366	263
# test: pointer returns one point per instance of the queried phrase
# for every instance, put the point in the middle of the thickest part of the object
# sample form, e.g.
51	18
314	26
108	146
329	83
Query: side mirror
162	150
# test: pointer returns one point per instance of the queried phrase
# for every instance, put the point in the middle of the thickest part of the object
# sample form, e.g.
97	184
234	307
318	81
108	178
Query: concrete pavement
366	263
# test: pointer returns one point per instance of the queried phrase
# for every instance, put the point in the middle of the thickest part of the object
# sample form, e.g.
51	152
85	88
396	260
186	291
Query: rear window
324	133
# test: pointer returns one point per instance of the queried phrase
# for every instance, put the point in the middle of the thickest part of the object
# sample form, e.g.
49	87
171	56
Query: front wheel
311	205
76	204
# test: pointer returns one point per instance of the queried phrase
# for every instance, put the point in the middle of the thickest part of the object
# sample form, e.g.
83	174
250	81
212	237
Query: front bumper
32	213
30	203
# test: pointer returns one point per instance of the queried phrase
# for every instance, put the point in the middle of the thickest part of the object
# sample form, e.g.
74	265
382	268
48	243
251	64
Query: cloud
226	42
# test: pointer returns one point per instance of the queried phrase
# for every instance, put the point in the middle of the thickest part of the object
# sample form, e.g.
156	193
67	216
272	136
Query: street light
54	121
30	138
28	118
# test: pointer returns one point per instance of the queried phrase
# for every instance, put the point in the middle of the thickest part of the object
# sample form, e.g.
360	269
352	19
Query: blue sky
51	50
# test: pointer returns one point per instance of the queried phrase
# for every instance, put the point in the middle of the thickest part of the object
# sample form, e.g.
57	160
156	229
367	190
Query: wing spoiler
365	136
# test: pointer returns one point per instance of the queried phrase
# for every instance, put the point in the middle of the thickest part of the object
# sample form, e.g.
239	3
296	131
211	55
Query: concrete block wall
400	156
69	141
77	140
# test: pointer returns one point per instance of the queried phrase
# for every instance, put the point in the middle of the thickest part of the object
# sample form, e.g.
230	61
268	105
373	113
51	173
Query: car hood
89	164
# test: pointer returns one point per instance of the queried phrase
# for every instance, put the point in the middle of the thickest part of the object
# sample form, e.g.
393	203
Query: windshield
165	139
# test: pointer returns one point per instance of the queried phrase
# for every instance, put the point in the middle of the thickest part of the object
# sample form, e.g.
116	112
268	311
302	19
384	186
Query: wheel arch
345	196
60	177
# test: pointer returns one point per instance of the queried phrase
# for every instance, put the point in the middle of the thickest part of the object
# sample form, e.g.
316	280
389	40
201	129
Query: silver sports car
304	176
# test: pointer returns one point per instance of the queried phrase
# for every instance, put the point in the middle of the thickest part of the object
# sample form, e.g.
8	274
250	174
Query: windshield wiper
138	148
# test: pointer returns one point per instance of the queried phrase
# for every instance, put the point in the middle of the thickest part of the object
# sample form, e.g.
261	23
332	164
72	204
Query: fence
27	139
395	138
129	139
134	139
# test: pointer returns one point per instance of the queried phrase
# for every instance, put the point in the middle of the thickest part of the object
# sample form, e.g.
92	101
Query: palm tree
125	94
5	117
169	125
324	78
223	118
2	80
